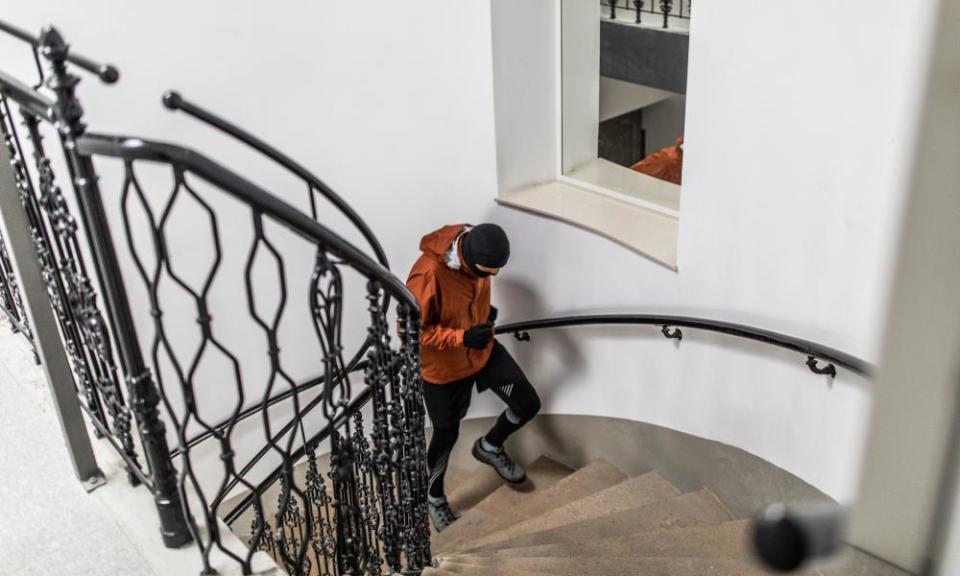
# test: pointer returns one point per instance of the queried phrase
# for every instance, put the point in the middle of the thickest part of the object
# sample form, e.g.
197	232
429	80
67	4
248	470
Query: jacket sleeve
432	334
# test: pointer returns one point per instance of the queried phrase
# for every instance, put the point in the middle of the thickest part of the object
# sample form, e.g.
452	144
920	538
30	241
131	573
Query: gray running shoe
501	462
441	515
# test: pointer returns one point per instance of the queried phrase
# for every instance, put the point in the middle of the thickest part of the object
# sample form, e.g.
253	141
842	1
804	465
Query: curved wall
794	155
798	134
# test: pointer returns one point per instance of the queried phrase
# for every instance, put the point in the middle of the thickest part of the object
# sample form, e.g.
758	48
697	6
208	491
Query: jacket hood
439	241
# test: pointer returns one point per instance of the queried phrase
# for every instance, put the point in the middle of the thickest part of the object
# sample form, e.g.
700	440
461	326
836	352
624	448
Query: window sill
637	223
605	177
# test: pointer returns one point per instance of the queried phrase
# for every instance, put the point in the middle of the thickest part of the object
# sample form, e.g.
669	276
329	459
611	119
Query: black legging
447	404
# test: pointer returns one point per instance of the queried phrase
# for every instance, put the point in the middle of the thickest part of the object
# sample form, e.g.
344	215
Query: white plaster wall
795	152
580	60
795	159
913	433
526	36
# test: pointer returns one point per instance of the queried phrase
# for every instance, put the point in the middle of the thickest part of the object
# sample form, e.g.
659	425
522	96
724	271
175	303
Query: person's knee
446	435
529	406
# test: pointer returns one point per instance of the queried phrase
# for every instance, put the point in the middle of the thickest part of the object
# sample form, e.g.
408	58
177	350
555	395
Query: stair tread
502	509
467	488
670	566
542	474
699	508
630	493
729	540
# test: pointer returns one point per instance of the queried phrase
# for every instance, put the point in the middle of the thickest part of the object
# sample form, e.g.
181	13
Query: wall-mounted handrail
128	148
174	101
812	350
106	72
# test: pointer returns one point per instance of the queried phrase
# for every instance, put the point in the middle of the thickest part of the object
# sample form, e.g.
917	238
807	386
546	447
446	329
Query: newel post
143	394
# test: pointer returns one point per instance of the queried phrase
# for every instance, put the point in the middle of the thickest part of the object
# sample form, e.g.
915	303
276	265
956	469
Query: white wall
913	433
580	38
528	137
795	158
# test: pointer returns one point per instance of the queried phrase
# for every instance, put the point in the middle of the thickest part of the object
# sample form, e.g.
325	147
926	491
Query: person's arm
432	334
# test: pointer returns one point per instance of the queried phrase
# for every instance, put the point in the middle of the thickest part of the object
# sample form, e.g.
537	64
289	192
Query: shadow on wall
525	304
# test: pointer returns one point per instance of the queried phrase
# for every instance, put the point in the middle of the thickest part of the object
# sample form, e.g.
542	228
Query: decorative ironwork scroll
82	325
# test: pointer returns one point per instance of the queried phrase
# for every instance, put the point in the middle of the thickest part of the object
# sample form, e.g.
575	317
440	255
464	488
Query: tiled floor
48	523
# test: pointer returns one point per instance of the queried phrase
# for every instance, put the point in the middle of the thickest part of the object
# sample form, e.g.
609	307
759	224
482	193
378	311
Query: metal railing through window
659	12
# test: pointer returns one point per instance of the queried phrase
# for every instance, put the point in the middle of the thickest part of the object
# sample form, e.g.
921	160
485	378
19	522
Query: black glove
493	314
478	337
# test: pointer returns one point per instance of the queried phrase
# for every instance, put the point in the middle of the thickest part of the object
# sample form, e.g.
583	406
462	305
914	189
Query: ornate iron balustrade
11	302
369	514
86	336
373	512
648	11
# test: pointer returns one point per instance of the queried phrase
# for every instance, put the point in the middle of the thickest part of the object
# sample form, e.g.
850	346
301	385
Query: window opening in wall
624	67
620	115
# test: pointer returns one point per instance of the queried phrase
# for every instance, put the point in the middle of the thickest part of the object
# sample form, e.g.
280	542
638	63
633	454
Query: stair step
675	566
467	488
699	508
630	493
494	514
542	474
729	540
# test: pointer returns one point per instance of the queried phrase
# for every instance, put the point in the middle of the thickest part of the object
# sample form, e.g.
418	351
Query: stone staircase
597	520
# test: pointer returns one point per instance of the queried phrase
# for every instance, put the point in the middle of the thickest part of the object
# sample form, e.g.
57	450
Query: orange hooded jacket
665	164
451	301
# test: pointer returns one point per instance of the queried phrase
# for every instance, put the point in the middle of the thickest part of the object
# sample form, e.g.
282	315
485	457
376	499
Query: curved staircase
597	520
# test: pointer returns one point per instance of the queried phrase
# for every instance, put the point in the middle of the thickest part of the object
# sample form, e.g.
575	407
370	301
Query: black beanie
486	245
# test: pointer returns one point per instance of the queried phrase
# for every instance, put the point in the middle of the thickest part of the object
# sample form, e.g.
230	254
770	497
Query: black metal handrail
131	148
174	101
28	98
106	72
812	350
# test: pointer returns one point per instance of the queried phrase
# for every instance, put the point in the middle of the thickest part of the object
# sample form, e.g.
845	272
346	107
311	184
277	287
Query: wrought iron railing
11	301
88	340
648	11
362	513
